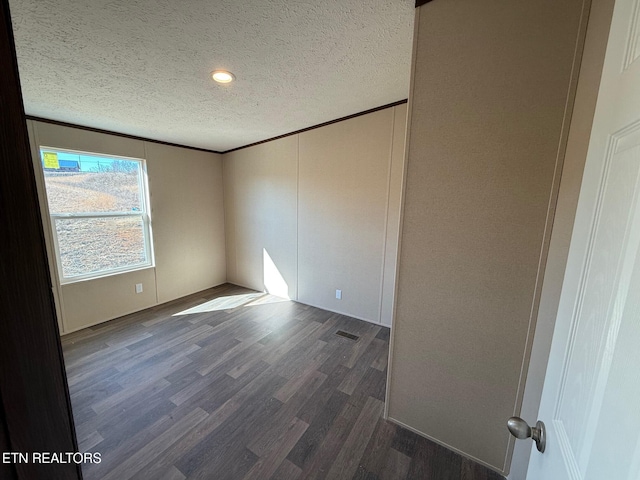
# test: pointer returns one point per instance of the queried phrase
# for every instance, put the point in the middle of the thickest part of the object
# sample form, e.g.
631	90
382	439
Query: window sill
70	281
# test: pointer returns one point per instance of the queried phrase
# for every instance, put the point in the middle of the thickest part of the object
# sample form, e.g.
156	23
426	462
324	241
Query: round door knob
521	429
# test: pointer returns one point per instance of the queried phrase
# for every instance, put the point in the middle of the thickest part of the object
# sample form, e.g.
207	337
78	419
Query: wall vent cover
350	336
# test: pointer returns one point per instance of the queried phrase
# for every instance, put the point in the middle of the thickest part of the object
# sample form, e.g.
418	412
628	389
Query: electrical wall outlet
339	294
138	288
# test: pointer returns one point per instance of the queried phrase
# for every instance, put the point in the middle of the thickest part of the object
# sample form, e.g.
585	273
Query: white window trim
144	214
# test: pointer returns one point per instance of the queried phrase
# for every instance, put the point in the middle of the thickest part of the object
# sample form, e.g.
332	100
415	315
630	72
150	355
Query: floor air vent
350	336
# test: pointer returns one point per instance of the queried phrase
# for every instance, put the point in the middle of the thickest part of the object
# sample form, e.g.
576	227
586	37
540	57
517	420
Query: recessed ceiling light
222	76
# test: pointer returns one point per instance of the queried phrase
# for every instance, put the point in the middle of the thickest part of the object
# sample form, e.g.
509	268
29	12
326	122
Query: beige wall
487	114
261	216
187	222
188	219
324	205
94	301
344	171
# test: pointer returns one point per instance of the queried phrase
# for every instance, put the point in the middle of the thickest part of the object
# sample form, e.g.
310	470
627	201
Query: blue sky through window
87	163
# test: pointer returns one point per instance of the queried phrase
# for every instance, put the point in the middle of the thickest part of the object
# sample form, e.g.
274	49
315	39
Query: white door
591	396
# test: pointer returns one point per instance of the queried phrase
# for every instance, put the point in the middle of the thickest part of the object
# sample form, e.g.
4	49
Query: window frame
144	214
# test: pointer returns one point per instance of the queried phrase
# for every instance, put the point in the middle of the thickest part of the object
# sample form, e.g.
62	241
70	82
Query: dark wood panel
35	398
7	470
257	391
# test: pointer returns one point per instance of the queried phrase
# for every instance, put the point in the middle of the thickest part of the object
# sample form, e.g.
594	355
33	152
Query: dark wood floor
234	384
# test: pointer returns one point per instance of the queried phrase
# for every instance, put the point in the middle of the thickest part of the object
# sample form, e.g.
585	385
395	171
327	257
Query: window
99	213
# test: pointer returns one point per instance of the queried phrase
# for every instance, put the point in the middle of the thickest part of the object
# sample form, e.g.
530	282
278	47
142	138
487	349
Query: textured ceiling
141	67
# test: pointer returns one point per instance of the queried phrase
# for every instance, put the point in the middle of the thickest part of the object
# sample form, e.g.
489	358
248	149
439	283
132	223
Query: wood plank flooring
234	384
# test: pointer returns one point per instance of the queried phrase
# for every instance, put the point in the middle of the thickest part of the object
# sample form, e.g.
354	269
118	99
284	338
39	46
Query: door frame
35	407
576	153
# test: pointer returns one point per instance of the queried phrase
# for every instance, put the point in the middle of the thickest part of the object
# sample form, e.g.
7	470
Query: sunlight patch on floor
222	303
